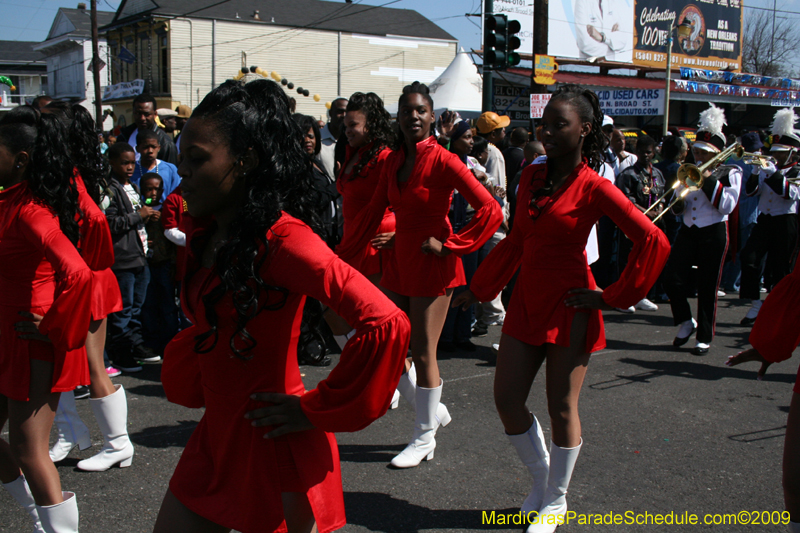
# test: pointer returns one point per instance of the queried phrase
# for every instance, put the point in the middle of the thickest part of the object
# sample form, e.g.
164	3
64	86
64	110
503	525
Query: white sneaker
646	305
720	293
755	307
628	311
684	332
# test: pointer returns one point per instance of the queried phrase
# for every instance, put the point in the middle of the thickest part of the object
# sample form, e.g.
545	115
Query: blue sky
30	20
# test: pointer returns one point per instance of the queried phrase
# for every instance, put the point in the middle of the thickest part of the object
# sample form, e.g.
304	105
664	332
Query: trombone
691	176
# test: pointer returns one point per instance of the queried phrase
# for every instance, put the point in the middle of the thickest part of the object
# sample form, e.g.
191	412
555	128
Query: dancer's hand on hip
586	299
747	356
29	328
432	244
464	299
285	414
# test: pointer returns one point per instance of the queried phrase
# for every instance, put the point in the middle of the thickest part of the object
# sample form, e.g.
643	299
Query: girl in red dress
774	337
418	182
108	402
554	313
46	291
263	457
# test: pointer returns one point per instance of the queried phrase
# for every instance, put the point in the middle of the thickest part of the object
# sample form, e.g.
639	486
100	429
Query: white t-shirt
136	202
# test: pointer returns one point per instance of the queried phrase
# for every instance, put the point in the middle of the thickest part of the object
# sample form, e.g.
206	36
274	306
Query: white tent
458	88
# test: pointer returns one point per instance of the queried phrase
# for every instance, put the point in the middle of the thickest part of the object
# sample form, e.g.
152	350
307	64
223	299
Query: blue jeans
125	327
159	313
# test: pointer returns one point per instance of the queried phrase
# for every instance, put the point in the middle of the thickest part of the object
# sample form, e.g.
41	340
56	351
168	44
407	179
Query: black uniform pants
775	238
704	248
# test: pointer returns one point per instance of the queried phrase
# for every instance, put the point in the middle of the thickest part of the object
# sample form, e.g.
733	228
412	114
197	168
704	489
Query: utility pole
540	39
98	101
488	82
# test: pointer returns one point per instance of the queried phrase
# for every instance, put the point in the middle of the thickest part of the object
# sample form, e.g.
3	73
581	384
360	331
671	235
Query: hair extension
255	116
414	88
85	149
50	171
587	105
379	128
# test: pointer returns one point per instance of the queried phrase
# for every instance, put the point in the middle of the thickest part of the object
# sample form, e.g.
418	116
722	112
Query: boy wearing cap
703	238
492	127
775	232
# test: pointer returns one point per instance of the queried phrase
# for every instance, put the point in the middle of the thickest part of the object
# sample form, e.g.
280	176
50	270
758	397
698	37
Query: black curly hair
255	116
84	145
408	90
379	128
50	171
587	105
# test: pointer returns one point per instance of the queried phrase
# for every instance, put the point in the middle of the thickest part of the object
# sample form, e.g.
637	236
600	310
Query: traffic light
500	42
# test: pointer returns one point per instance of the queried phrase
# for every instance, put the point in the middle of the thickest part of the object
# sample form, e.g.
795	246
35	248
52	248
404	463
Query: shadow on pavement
165	436
381	512
369	453
156	391
763	434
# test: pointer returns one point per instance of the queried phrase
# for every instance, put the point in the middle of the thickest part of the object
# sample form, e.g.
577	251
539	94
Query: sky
30	20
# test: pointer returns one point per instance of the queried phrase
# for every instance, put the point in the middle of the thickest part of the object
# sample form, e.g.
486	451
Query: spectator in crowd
643	184
514	155
492	127
149	149
159	312
126	217
531	152
169	119
183	114
144	117
480	152
330	135
617	144
673	153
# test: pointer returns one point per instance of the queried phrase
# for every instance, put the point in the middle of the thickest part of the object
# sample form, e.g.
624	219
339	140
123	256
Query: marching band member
775	232
703	237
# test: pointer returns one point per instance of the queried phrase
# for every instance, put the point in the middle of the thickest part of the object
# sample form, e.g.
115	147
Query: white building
26	69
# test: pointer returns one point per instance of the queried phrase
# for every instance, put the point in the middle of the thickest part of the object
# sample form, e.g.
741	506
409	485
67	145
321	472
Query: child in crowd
147	146
159	313
127	216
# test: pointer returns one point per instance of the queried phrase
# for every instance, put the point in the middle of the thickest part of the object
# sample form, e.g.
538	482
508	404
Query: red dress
356	194
97	250
550	250
41	272
421	208
228	472
775	334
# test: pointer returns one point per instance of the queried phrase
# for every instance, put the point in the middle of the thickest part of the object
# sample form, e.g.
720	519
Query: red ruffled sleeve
97	248
366	224
775	334
650	247
496	270
488	214
359	389
66	323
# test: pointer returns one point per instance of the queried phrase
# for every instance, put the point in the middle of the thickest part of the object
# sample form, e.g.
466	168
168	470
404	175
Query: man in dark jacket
127	215
144	117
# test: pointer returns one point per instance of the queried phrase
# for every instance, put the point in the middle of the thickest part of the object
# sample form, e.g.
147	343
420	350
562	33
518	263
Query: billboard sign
522	12
631	102
714	42
586	29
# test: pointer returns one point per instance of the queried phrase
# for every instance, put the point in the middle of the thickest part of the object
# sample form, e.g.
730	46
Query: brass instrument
764	161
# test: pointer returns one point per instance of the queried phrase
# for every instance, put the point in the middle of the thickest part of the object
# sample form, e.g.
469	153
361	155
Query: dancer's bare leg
101	385
517	366
174	516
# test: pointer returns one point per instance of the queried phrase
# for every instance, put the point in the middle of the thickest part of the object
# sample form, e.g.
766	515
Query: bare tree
769	43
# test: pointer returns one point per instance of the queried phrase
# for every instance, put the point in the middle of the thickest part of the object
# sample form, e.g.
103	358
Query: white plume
783	123
712	120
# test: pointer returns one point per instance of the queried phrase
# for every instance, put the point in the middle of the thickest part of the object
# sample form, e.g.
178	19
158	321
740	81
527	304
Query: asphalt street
664	432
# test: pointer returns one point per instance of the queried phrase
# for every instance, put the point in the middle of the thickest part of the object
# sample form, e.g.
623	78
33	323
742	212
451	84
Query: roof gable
77	22
316	14
61	26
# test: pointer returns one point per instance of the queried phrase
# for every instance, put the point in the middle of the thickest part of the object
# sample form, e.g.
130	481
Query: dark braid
587	105
379	127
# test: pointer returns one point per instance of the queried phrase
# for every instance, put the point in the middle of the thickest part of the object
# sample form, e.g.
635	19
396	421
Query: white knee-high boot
71	429
111	413
554	503
427	422
532	451
20	491
61	517
407	387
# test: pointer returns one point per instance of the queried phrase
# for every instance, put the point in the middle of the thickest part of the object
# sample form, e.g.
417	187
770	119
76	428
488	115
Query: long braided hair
255	116
587	105
379	127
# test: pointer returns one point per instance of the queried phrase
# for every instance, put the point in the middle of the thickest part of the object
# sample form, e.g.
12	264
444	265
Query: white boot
407	387
71	429
554	503
532	451
61	517
20	491
112	417
423	442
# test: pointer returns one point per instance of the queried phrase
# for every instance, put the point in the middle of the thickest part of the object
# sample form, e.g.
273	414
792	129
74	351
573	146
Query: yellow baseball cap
490	121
